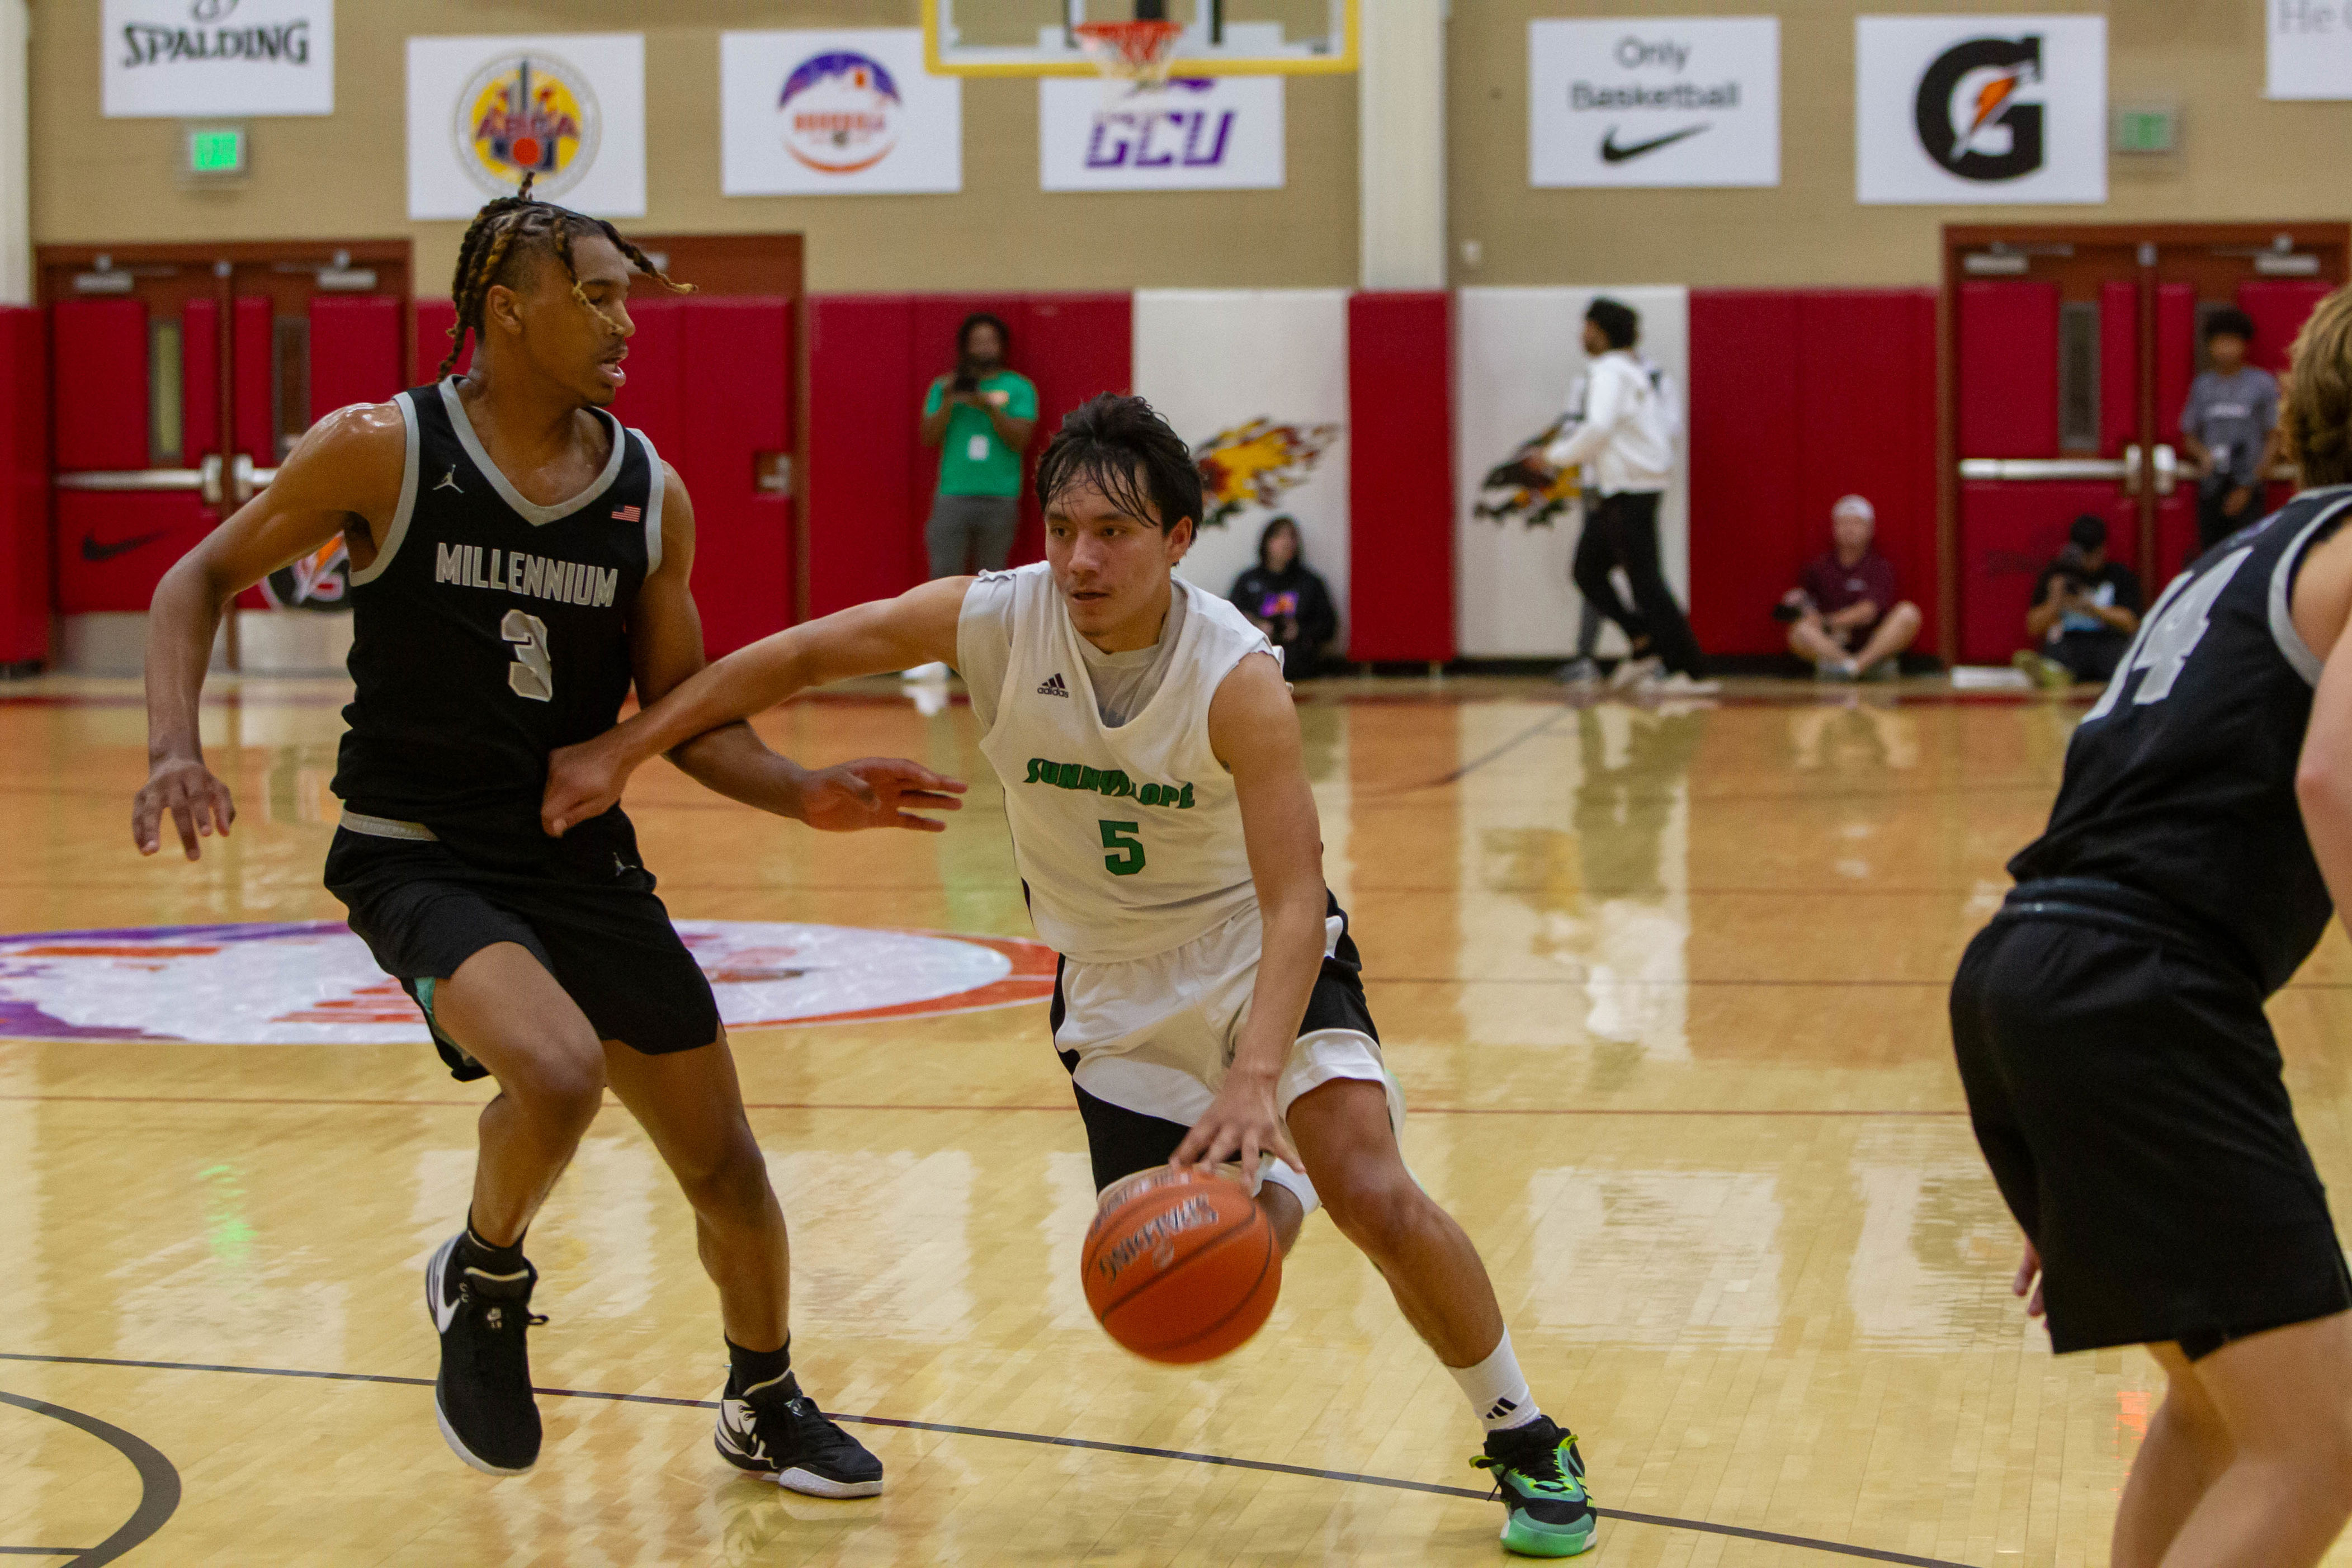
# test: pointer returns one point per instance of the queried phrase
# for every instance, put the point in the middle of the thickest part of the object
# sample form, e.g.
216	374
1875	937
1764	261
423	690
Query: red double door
181	376
2071	354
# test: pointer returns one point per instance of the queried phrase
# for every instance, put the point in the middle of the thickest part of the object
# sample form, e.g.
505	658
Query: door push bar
2124	470
237	480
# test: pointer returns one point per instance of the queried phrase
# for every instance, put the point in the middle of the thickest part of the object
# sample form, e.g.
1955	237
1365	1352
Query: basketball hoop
1138	53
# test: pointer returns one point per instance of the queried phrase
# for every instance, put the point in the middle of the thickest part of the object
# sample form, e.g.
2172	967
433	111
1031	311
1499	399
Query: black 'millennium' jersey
2180	780
489	631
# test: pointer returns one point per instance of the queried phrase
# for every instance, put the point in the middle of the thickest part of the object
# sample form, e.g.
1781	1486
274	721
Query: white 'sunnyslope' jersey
1130	839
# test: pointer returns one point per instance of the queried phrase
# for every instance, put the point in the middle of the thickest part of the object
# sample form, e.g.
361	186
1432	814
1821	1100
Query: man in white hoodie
1626	445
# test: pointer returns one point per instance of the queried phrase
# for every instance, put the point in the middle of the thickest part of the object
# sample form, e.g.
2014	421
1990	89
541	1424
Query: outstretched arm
1254	730
349	467
665	644
917	627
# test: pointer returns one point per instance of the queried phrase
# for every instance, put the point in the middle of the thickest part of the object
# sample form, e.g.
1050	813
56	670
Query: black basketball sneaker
774	1430
1539	1477
483	1394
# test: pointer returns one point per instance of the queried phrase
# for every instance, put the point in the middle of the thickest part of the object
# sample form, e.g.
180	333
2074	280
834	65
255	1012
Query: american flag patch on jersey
627	514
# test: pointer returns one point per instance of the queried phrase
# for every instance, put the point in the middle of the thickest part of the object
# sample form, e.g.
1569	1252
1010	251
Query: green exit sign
215	152
2147	128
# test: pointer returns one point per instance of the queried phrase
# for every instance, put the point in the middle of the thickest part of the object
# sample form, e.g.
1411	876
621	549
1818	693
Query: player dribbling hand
1241	1123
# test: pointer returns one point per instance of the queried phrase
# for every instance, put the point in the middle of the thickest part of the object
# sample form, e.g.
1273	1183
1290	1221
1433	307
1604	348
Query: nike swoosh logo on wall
1612	154
91	550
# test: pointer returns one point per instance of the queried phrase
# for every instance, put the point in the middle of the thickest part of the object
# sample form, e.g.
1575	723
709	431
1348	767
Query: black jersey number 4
2169	634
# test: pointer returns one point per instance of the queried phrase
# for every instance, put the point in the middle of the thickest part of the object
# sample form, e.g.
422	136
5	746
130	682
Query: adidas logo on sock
1054	686
1502	1408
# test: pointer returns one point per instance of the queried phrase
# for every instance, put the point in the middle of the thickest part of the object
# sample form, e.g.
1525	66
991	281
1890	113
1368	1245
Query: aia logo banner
1666	100
1981	108
1219	134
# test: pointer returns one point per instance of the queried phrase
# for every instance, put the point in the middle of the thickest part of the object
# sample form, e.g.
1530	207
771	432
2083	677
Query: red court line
846	1105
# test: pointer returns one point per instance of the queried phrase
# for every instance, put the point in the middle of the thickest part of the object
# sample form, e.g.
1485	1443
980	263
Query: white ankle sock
1498	1389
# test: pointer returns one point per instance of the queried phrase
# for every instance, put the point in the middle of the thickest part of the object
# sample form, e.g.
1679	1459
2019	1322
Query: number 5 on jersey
533	674
1127	850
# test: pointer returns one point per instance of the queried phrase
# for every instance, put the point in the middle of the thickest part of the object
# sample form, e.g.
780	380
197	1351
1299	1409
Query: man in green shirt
980	416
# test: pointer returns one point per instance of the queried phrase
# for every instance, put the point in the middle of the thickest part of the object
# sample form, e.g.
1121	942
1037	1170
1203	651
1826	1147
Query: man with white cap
1845	619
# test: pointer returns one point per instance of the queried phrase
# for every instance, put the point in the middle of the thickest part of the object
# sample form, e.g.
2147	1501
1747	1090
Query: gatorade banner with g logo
1969	111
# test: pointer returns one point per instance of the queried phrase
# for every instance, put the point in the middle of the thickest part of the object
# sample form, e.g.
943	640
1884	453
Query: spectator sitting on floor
1286	600
1847	622
2085	609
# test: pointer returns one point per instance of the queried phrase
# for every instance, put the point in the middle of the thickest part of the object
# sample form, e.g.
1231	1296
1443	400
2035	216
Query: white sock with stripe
1498	1389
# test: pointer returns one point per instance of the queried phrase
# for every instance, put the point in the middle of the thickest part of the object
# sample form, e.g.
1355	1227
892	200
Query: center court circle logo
1972	112
527	114
842	113
313	982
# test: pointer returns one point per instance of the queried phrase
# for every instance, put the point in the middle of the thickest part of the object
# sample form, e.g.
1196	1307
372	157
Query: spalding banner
569	110
217	56
846	112
1968	110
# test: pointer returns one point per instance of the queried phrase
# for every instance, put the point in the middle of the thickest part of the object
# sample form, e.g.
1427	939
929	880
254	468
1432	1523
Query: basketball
1180	1265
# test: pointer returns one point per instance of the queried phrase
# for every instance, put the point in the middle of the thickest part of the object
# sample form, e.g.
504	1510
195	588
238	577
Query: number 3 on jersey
1127	850
533	674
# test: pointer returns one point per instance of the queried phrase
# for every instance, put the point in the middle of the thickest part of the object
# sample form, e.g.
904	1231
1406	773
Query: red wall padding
735	404
355	351
24	486
2175	356
2278	306
254	351
1399	476
1798	397
871	357
434	320
2009	370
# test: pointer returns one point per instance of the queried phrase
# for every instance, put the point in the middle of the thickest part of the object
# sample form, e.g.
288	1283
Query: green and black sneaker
1539	1476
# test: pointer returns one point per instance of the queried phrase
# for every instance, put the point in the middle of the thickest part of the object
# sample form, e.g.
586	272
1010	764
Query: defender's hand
1240	1121
877	792
2029	1279
583	781
199	805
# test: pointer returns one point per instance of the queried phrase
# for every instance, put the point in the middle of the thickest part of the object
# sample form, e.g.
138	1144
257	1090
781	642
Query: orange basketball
1180	1265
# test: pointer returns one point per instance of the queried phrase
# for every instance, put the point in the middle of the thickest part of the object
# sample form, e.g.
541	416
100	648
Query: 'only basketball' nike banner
1664	101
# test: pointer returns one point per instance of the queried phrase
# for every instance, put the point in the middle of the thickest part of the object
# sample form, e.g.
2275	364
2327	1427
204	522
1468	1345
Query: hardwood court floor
1665	989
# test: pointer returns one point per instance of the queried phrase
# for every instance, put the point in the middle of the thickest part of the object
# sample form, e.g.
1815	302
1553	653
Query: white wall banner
1203	133
2310	48
1668	100
196	58
1517	352
847	110
1256	381
1968	110
569	108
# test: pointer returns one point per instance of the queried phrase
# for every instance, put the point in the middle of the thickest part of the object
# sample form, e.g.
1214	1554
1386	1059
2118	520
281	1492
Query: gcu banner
1222	133
218	57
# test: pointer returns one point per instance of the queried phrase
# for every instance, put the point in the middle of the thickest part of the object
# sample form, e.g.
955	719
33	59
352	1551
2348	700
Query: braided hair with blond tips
524	219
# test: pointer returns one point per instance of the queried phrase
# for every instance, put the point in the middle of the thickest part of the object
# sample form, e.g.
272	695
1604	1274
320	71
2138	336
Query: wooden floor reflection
1664	988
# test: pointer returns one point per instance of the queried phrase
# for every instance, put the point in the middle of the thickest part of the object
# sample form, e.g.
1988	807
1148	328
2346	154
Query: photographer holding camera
981	416
2085	609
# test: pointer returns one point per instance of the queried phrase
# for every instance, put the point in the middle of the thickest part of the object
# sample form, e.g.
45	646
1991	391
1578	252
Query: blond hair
2316	413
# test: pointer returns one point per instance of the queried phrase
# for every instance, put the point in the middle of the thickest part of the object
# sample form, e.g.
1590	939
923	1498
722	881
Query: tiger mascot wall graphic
1525	486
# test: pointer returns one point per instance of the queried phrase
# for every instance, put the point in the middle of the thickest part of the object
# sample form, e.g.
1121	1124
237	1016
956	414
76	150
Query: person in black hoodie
1285	600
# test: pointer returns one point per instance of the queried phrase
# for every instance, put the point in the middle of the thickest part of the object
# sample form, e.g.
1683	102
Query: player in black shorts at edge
2122	1079
519	560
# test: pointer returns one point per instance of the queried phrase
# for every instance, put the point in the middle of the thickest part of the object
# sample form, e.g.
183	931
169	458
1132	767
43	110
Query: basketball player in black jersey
520	560
2122	1079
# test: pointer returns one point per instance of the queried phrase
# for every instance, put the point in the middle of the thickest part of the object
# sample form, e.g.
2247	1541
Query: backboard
1221	37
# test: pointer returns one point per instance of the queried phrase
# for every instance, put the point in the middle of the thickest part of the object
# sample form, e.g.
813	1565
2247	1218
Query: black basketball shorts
592	921
2126	1093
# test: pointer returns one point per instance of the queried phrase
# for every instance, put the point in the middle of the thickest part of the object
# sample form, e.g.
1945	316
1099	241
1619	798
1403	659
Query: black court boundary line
1091	1445
159	1484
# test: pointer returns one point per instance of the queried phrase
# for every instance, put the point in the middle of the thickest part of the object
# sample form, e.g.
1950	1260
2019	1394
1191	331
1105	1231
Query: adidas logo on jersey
1054	686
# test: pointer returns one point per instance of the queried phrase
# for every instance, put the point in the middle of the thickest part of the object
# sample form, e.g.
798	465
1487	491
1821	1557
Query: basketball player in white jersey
1209	1004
